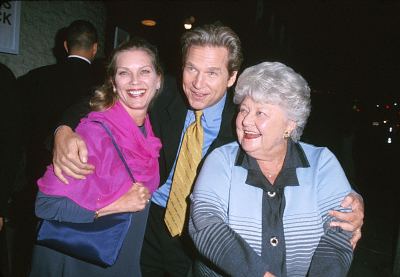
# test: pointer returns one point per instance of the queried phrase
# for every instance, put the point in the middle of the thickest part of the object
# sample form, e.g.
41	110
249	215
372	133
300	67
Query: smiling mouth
198	94
251	135
136	92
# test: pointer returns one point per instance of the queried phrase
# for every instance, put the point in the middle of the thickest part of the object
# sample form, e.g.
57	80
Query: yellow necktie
185	173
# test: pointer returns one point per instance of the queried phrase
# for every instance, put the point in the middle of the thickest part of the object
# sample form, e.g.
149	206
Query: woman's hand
134	200
70	155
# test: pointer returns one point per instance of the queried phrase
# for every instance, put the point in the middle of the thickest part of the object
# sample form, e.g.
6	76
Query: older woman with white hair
260	206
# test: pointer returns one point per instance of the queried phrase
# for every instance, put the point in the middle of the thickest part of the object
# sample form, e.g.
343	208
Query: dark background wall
348	50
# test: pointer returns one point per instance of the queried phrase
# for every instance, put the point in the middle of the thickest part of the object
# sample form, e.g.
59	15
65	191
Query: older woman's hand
134	200
70	155
353	220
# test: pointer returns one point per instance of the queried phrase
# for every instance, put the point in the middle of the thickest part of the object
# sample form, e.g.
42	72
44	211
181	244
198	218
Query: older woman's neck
272	161
274	155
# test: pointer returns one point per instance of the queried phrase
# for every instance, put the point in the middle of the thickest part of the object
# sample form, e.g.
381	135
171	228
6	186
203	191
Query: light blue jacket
226	218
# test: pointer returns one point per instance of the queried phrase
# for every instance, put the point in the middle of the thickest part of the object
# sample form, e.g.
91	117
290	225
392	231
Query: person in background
134	78
49	90
212	57
260	205
11	155
45	93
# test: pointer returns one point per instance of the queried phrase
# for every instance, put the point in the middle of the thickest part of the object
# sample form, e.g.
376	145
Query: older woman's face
135	80
260	127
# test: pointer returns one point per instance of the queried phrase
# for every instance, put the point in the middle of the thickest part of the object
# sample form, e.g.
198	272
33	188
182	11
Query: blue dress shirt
211	122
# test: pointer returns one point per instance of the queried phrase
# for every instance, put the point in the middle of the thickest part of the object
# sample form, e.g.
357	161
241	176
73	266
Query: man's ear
65	46
232	79
94	49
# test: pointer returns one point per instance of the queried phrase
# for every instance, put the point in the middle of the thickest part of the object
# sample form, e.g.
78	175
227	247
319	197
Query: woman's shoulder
316	153
92	132
313	149
227	149
88	126
225	154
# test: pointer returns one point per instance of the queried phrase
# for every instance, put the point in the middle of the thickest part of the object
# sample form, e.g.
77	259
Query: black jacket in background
10	136
47	92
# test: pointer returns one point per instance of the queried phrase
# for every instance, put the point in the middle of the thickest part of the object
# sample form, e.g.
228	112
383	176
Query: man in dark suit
10	156
46	92
212	58
49	90
10	138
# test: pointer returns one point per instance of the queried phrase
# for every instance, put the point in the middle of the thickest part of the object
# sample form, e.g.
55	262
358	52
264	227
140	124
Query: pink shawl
110	179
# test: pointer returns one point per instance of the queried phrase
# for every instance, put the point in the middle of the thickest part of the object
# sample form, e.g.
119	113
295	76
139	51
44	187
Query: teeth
136	92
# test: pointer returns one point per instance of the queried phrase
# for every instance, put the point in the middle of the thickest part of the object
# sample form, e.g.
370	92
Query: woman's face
260	128
135	80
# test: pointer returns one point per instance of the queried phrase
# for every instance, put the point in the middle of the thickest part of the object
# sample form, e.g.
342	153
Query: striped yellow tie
185	173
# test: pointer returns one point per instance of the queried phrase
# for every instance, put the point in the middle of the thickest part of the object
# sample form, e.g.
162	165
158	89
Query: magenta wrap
110	179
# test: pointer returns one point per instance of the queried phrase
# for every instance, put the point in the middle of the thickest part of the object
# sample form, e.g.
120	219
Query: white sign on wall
9	26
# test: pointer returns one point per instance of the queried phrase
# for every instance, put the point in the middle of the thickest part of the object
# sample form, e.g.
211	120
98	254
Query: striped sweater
226	220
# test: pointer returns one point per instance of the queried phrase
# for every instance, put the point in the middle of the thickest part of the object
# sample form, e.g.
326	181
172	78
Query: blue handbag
97	242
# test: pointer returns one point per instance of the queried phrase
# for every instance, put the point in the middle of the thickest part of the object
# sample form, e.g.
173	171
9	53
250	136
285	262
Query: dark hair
81	34
105	97
216	35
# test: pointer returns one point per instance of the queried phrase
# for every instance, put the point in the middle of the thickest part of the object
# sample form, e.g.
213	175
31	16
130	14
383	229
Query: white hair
278	84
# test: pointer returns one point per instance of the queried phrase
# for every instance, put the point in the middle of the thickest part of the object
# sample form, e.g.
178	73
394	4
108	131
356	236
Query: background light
149	22
188	22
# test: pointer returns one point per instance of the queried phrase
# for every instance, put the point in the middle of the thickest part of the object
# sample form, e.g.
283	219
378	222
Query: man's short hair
81	34
215	35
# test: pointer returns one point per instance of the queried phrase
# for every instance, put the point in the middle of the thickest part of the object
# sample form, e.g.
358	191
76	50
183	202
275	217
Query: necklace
270	175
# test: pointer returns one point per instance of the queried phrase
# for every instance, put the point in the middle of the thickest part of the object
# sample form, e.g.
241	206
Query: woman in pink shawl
134	77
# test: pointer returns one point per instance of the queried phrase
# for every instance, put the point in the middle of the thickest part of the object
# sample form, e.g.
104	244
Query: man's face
205	76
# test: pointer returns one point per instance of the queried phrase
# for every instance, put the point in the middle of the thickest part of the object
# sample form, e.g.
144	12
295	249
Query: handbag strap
117	148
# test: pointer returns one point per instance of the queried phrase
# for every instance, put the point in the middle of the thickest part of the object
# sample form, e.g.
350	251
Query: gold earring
114	90
286	135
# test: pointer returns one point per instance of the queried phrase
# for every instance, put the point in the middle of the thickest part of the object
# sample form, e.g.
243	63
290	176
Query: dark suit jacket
10	136
167	115
47	92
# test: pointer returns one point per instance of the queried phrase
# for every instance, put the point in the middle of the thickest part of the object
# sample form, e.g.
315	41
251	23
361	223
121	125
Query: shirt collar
213	113
295	158
80	57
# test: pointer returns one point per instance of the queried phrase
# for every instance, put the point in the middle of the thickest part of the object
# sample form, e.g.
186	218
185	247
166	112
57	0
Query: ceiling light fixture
188	22
149	22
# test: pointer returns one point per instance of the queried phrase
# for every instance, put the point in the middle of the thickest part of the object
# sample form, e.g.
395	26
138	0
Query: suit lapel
171	129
